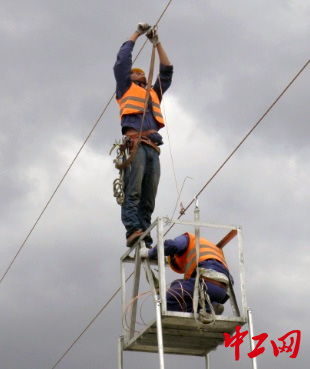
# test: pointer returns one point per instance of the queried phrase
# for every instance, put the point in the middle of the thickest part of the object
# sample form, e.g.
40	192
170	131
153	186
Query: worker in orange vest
141	177
213	268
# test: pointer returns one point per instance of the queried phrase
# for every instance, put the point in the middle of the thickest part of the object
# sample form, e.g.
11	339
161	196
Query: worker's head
138	75
173	264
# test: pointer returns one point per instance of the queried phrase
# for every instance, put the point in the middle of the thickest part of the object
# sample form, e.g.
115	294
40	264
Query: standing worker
140	125
213	269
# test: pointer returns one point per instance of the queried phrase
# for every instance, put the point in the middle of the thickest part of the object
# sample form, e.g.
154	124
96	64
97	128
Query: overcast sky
231	60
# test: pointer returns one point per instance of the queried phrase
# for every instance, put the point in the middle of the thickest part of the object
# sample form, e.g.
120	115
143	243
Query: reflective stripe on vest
208	250
132	102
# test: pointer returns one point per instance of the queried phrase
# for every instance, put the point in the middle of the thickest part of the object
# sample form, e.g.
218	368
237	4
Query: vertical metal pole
161	264
123	291
208	361
197	247
157	303
197	230
120	352
159	333
251	331
242	273
135	292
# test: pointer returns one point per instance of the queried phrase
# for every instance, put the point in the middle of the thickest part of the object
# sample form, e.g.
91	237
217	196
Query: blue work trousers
180	295
141	180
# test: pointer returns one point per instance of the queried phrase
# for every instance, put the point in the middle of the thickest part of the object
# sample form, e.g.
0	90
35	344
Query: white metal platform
181	335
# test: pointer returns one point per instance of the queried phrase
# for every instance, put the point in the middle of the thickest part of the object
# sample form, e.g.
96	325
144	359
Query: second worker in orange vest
181	253
141	177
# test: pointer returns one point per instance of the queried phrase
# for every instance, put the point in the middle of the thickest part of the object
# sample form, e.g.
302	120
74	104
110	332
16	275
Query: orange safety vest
133	100
186	263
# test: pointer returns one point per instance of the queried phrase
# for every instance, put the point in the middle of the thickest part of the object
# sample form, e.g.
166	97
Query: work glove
153	36
142	28
144	252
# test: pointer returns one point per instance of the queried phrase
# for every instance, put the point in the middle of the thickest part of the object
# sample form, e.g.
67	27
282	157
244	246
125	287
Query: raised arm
164	79
163	57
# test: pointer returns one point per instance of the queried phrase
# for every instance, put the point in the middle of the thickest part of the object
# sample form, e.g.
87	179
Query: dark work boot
148	241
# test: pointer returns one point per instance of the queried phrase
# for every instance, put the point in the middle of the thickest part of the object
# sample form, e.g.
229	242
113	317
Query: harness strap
131	143
135	138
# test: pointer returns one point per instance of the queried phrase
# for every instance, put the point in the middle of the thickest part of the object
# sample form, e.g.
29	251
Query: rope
118	190
73	161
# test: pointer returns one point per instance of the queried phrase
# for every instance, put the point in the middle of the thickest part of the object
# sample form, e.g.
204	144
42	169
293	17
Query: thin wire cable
73	161
163	12
177	202
169	142
242	141
129	306
172	159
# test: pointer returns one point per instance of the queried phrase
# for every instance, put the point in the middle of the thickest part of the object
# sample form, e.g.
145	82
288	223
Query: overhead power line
72	162
187	207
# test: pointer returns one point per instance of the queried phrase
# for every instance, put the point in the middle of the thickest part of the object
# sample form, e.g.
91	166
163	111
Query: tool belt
132	139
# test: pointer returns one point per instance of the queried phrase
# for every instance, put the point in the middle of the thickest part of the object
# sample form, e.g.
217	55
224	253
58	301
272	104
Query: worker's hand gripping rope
152	35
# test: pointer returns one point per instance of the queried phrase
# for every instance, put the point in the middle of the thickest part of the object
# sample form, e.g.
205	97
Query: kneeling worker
181	253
